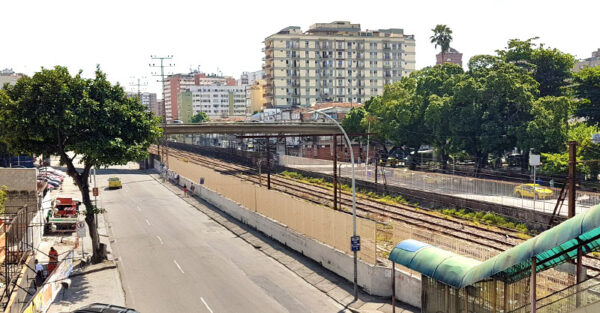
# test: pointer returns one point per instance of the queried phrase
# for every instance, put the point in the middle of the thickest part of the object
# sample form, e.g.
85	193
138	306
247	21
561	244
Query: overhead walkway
504	283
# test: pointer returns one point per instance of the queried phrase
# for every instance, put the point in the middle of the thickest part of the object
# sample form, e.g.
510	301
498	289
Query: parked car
114	182
104	308
533	191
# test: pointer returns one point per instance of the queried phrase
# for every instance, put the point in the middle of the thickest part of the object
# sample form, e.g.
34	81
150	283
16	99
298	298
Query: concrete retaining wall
375	280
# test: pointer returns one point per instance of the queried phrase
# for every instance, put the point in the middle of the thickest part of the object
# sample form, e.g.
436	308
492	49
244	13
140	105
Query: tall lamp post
353	199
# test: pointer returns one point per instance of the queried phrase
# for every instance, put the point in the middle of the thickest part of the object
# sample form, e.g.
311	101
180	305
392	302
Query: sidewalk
89	283
336	287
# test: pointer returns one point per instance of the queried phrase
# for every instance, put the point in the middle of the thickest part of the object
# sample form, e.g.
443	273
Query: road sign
95	191
80	226
355	243
534	159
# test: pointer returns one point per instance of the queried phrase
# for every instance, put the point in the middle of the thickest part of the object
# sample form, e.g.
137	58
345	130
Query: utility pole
572	177
139	84
165	153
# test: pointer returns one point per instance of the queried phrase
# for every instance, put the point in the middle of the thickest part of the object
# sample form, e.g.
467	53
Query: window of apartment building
339	54
287	44
339	64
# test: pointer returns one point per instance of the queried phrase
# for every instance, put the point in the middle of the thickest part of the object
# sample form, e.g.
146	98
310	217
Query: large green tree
587	86
442	37
490	108
56	113
200	117
548	128
551	68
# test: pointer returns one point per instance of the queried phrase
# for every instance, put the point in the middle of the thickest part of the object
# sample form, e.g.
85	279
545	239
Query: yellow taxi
114	183
534	191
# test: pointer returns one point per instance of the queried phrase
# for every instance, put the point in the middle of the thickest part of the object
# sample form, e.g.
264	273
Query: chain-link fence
495	191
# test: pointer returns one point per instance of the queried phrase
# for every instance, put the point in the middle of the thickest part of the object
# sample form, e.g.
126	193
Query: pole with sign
534	161
80	227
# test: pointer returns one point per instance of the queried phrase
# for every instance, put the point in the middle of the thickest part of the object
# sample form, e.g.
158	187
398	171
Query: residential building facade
8	76
218	102
255	96
248	78
174	84
148	99
452	56
334	62
589	62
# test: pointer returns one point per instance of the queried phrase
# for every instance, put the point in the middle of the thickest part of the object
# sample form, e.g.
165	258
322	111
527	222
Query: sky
227	36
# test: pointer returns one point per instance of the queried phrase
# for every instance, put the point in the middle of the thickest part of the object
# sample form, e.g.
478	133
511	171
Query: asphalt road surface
173	258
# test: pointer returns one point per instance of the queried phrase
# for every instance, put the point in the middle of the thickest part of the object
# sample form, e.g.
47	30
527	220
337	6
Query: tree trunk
98	255
81	180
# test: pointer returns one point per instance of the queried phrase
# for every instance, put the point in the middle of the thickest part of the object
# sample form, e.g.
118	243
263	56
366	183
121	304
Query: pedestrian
177	178
185	190
53	260
538	181
192	188
39	273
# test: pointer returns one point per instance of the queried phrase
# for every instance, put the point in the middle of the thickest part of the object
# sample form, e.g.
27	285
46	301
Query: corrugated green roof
551	248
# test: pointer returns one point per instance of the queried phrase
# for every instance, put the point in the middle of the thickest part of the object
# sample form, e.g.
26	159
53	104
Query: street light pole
353	198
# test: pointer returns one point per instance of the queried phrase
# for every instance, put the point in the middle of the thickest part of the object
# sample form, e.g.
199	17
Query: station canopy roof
550	248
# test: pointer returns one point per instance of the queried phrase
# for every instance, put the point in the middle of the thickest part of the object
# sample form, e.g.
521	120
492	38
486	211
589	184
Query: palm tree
442	36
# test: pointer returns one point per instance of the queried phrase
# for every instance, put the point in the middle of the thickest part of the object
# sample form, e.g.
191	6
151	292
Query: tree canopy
200	117
587	87
518	98
56	113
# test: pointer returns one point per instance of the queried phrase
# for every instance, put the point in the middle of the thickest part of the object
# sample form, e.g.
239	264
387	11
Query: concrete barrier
375	280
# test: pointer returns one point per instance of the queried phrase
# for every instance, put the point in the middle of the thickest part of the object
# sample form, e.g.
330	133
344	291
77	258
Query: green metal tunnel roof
551	248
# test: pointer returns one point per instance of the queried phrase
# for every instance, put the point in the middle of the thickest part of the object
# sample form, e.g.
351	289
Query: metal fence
489	190
17	246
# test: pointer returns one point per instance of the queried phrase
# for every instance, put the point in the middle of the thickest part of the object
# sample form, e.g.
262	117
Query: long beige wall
333	228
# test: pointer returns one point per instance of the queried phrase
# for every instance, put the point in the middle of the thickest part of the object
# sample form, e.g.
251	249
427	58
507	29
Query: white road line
158	237
148	222
179	267
206	305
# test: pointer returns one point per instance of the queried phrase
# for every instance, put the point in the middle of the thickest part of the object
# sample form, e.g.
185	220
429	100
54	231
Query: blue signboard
355	243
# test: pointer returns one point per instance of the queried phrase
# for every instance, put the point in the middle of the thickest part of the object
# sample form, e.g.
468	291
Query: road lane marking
179	267
161	242
206	305
148	222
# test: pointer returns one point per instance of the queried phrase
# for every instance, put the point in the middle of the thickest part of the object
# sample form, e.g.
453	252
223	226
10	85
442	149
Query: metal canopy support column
532	288
494	296
393	287
505	297
579	277
335	199
268	163
572	178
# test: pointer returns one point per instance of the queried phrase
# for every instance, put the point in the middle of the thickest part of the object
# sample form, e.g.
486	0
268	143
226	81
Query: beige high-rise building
334	62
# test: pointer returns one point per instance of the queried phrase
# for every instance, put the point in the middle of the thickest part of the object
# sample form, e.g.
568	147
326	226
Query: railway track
495	239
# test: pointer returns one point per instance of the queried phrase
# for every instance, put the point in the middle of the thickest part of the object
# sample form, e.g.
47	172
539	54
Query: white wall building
219	101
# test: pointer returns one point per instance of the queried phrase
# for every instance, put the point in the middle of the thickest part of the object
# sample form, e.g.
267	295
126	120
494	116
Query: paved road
173	258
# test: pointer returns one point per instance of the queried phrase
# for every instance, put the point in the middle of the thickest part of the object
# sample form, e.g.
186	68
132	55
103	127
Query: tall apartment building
247	78
174	84
148	99
216	101
334	62
452	56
